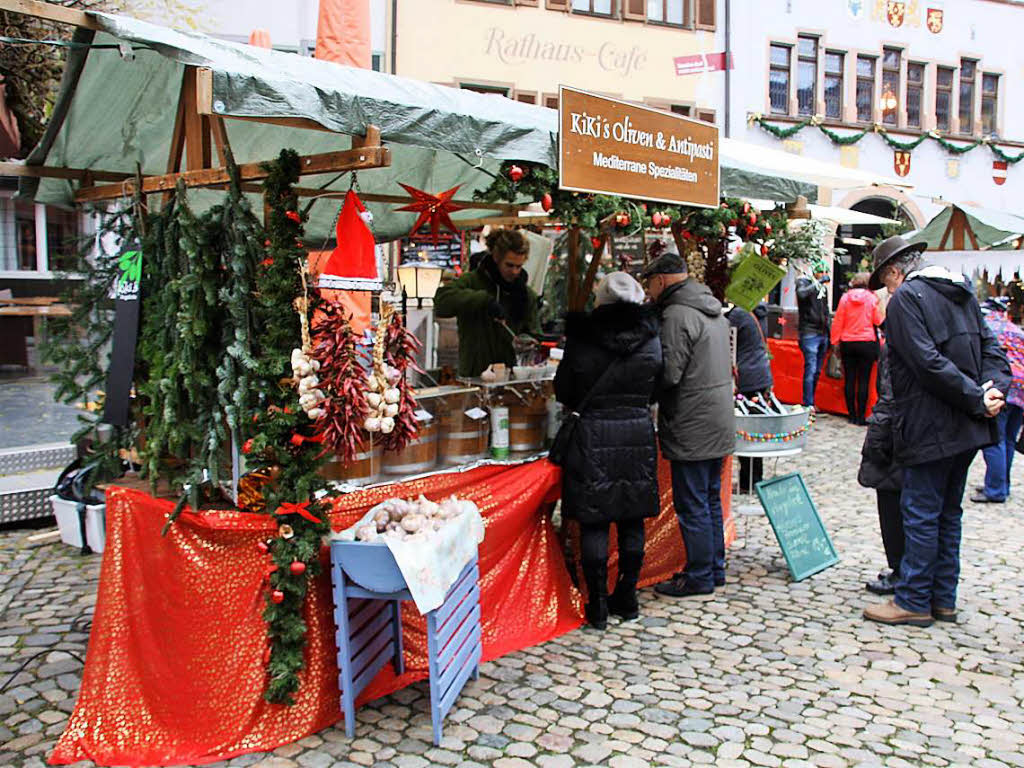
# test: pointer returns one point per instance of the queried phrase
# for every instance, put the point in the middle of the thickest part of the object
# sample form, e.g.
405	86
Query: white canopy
833	213
756	158
1003	263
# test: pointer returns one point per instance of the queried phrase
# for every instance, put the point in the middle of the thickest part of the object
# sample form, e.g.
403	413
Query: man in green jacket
492	303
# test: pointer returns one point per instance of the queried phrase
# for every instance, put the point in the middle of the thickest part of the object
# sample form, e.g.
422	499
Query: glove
495	310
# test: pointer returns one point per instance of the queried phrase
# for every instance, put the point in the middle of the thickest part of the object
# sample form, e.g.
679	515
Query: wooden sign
801	534
612	147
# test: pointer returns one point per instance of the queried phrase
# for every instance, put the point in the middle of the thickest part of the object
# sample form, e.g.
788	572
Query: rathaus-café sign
520	48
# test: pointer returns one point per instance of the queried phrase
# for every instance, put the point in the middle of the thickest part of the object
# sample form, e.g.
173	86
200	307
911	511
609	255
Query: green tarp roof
991	228
115	111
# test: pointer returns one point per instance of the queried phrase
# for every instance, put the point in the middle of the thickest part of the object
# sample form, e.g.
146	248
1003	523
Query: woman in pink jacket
854	331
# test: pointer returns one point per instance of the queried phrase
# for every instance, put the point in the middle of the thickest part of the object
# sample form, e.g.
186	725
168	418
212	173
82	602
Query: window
596	7
778	79
707	115
915	92
498	89
834	84
551	100
705	14
527	97
25	234
968	70
665	12
680	109
62	235
806	74
865	88
989	103
943	97
891	84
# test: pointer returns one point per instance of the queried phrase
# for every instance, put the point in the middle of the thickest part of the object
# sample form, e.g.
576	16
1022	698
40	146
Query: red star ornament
432	208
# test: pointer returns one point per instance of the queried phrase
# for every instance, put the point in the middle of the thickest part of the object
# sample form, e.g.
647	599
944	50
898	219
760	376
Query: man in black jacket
948	376
814	325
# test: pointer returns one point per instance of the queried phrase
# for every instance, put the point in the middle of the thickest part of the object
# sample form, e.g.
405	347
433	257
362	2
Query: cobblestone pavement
766	672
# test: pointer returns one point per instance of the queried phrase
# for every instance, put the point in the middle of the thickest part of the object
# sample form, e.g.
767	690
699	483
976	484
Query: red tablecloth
175	671
788	373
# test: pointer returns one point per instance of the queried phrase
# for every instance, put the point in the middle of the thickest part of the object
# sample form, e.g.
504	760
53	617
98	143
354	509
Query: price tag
476	413
422	415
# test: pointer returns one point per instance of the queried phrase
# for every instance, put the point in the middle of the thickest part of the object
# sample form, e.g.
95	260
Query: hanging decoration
432	209
345	408
400	348
882	132
353	264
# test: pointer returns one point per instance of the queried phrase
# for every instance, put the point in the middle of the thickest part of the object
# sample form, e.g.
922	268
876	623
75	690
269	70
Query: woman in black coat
610	470
878	471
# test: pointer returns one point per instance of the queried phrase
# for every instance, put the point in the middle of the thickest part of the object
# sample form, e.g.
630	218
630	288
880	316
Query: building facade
899	70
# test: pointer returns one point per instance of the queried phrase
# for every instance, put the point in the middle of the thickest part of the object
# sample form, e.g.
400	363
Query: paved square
764	673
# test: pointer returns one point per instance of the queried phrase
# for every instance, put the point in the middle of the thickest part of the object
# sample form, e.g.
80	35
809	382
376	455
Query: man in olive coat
493	295
696	425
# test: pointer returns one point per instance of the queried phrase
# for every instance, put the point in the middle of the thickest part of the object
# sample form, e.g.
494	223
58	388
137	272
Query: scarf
511	295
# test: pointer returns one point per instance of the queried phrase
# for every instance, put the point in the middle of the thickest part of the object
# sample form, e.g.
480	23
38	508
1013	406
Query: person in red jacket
855	334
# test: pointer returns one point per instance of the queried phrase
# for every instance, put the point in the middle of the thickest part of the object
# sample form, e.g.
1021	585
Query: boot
623	600
596	576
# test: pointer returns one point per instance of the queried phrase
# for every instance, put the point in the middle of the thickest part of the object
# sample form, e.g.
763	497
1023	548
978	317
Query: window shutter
634	9
526	2
706	14
707	115
558	5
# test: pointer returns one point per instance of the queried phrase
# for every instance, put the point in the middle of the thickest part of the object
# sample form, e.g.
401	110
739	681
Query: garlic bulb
373	400
391	410
387	425
392	395
373	424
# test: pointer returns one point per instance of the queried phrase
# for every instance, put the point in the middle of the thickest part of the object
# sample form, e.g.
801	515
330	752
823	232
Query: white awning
1003	263
756	158
832	213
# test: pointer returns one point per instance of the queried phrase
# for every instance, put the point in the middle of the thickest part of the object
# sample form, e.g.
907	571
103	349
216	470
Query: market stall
259	410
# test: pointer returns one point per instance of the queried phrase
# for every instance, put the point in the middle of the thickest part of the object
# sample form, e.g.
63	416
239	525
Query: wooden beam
73	174
197	126
220	139
328	162
50	12
503	221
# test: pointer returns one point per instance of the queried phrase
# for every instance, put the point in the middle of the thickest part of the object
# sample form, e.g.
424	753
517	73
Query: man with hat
696	426
948	376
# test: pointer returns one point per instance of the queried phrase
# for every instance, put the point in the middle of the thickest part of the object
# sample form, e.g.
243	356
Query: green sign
751	280
797	525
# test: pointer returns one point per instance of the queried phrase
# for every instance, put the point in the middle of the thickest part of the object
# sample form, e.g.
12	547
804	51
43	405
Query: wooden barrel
364	469
419	455
526	428
462	439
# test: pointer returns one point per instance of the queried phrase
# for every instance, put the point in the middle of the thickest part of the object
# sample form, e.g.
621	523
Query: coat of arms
895	12
935	20
901	162
999	171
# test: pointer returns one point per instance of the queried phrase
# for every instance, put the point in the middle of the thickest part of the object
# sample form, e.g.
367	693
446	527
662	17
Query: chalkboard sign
797	525
446	252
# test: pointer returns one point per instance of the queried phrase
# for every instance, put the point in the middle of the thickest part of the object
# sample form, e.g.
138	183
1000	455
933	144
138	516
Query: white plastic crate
66	513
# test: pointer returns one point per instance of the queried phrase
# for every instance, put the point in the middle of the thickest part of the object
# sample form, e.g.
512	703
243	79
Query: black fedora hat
885	252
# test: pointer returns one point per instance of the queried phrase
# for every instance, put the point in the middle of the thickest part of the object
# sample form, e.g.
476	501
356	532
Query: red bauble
753	219
296	439
751	230
595	242
297	568
247	446
263	547
656	219
293	216
516	173
277	596
546	202
687	236
764	250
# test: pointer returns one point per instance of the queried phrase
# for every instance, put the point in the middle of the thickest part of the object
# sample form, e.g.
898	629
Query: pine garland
848	139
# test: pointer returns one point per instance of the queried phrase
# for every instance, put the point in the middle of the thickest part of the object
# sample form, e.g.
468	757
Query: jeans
697	495
999	457
813	347
931	501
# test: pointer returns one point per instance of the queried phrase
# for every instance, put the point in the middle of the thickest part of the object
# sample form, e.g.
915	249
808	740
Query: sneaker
680	586
944	614
890	613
